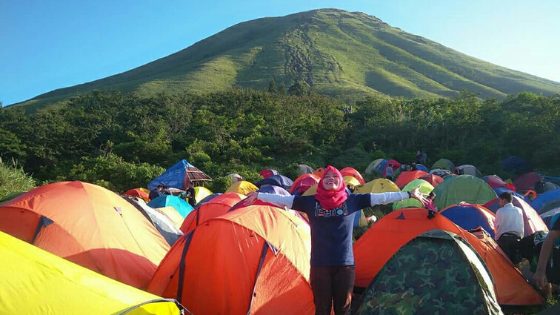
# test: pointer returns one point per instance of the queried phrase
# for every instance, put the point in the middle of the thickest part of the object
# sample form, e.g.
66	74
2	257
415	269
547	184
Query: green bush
13	180
112	172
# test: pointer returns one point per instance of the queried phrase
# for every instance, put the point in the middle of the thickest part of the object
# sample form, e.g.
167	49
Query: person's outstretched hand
416	194
251	197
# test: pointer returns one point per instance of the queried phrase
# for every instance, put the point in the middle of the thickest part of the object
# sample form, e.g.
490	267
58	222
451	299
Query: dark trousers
332	285
509	243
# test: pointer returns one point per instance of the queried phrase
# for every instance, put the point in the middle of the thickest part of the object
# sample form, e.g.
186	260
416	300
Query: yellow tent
201	192
311	191
377	186
242	187
351	181
37	282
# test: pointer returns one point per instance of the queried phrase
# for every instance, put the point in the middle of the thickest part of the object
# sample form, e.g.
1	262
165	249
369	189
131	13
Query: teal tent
183	207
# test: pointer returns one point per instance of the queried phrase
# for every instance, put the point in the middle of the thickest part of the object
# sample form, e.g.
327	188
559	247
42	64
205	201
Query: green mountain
339	53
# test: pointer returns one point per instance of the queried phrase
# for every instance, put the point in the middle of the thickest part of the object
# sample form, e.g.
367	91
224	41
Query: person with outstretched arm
540	276
331	219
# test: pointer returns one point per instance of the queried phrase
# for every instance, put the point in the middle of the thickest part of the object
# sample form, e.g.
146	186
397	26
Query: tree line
122	141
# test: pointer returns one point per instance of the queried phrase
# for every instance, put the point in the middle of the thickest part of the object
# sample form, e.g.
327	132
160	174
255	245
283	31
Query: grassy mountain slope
336	52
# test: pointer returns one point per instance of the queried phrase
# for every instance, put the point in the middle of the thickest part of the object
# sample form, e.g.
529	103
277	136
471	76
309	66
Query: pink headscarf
330	199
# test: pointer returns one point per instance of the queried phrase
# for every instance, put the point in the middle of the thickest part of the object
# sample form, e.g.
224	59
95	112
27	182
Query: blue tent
183	207
550	217
176	176
546	201
516	165
421	167
470	217
271	189
500	190
276	180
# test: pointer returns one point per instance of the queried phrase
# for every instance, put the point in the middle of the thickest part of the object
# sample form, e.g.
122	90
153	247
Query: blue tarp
183	207
172	177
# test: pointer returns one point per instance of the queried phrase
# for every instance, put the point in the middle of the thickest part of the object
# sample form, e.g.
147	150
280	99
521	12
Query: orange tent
319	172
141	193
214	208
408	176
396	229
350	171
258	264
88	225
303	182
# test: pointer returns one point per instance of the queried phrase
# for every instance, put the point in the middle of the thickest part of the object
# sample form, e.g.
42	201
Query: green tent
435	273
425	188
444	164
463	188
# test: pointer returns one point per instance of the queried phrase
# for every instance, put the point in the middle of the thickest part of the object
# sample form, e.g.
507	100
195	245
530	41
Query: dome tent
216	207
398	228
259	264
470	217
463	188
443	164
35	281
424	187
464	288
89	225
408	176
377	186
242	187
179	204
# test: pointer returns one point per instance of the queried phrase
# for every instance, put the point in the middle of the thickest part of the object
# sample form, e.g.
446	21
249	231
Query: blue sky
47	45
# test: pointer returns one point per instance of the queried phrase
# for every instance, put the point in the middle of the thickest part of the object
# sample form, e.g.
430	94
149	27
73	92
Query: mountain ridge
337	53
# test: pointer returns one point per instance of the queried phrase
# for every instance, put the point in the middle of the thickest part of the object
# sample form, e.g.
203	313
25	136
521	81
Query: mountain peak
338	53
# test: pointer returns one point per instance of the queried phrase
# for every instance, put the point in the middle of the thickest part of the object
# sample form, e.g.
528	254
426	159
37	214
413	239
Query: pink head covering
330	199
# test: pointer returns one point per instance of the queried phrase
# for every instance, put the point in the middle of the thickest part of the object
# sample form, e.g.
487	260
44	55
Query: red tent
432	179
303	182
496	182
350	171
141	193
408	176
527	181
